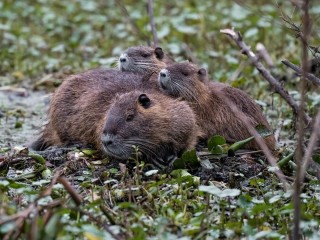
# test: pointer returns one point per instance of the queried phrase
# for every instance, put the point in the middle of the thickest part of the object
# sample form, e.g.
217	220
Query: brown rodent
214	116
73	100
161	127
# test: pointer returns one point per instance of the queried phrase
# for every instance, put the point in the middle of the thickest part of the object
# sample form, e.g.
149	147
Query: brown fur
165	127
71	103
214	116
79	111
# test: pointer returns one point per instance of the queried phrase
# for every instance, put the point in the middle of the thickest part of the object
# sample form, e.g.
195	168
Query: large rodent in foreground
159	126
73	98
214	116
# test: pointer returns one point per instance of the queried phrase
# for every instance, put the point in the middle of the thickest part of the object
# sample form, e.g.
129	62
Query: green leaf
37	157
215	144
215	141
187	160
217	150
89	152
237	145
285	160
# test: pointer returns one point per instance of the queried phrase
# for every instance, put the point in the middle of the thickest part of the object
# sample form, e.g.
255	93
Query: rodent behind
214	116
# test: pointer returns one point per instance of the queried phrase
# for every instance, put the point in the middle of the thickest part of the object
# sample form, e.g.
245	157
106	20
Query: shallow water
25	107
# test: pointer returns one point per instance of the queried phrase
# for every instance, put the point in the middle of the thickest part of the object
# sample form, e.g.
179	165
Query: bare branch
309	76
153	24
236	36
262	51
301	128
311	146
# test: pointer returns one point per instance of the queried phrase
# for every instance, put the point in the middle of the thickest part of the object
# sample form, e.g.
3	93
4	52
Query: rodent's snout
164	73
107	139
164	78
123	61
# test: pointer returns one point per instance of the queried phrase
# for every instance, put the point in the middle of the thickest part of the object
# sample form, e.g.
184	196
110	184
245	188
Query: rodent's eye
185	73
129	117
145	55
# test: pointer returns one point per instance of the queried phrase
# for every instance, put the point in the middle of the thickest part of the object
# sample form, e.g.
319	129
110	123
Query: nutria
71	99
214	116
161	127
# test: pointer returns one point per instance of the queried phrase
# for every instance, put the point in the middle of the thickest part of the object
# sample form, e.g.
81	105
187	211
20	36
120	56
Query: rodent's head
134	119
184	80
142	59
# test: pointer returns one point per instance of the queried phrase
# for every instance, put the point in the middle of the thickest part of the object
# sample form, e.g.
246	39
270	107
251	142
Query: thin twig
262	51
301	127
311	146
236	36
272	161
297	69
73	193
189	53
134	26
153	24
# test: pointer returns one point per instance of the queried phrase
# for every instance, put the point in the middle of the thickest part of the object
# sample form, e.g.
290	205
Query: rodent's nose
108	142
122	59
162	74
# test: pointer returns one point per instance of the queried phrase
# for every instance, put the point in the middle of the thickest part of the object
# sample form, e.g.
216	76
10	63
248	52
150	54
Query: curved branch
237	37
297	69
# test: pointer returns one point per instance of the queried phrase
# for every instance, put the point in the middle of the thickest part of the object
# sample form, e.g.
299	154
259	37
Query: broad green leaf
215	141
187	160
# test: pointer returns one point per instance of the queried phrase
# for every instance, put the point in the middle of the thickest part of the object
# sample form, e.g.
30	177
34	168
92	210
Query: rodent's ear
144	101
159	53
202	73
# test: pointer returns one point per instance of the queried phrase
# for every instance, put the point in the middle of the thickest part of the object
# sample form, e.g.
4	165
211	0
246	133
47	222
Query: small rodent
161	127
214	116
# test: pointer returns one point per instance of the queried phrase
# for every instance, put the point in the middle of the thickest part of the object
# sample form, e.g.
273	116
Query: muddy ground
22	114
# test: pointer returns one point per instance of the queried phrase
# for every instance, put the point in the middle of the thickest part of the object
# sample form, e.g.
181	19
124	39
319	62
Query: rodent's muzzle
113	146
164	79
123	62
